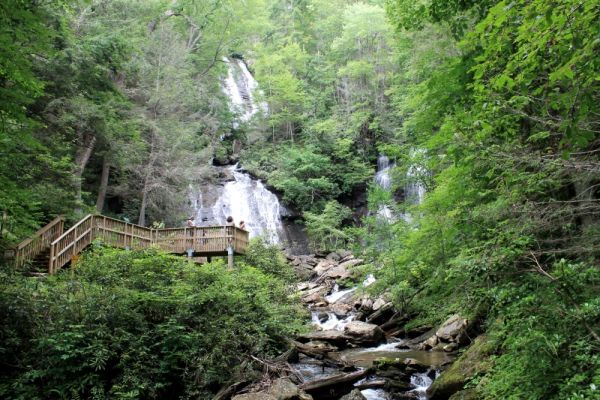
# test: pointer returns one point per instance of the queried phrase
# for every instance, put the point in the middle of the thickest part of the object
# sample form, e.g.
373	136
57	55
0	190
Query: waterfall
240	86
414	191
245	199
382	177
384	181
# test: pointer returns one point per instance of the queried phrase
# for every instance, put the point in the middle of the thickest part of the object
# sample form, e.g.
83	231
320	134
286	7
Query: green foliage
138	325
325	228
268	258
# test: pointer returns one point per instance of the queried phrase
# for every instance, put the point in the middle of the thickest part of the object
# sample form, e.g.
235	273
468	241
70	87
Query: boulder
468	394
416	365
363	304
333	256
450	347
452	328
284	389
429	343
363	332
344	254
351	263
320	346
328	335
381	315
323	267
254	396
335	386
377	304
475	360
314	297
340	309
339	272
302	286
354	395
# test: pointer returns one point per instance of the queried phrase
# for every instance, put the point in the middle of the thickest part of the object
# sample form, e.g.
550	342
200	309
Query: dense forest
491	108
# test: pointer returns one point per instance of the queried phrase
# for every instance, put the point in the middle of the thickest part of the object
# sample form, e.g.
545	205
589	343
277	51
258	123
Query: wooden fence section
200	241
30	248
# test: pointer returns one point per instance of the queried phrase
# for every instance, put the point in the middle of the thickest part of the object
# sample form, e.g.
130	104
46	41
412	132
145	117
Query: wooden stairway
49	249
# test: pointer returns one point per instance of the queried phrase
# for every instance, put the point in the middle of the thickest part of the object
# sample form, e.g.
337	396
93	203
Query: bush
269	259
138	325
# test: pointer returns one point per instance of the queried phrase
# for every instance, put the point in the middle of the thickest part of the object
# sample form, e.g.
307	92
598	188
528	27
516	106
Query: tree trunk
103	184
82	156
142	217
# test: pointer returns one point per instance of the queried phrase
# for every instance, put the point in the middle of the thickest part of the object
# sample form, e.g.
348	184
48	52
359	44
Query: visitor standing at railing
190	222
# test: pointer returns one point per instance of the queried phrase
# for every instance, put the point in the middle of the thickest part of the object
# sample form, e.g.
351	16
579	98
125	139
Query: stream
325	319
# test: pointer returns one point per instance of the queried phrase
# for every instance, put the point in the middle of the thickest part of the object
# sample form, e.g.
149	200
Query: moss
474	361
468	394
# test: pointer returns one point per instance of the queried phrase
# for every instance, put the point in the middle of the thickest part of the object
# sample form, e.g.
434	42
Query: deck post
230	256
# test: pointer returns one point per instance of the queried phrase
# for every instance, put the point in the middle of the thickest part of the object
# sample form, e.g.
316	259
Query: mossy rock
474	361
469	394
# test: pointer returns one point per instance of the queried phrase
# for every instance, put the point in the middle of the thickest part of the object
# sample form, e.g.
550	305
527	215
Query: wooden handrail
30	248
74	227
202	240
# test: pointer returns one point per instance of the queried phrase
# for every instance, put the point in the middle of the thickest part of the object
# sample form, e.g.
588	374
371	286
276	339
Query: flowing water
241	88
384	181
245	199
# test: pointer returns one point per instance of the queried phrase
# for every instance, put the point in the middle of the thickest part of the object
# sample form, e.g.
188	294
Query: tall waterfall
240	86
236	193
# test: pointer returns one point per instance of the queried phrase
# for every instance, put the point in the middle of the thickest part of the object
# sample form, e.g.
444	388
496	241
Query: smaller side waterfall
384	180
414	191
382	177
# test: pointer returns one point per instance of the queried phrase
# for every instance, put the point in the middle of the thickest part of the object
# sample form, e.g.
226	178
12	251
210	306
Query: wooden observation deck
62	247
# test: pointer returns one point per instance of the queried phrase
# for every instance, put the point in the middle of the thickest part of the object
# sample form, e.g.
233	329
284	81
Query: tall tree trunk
142	217
82	156
103	184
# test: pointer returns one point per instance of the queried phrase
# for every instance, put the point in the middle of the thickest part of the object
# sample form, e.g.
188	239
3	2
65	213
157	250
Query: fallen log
333	387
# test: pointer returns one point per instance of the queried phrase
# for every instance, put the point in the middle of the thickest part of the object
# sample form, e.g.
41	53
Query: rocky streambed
358	348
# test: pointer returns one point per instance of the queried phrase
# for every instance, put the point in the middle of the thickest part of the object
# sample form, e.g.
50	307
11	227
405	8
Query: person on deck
229	230
242	225
190	222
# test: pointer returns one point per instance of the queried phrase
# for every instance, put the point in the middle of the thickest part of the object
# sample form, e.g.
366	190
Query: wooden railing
30	248
211	240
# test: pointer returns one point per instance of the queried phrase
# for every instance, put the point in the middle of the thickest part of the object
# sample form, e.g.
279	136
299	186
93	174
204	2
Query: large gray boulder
351	263
452	329
363	332
284	389
339	272
254	396
327	335
323	266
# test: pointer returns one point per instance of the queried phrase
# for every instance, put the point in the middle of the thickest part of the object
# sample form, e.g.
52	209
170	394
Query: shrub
137	325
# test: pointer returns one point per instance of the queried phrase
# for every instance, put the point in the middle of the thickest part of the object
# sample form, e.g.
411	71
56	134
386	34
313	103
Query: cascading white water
246	199
382	177
384	180
332	322
414	190
240	86
421	382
